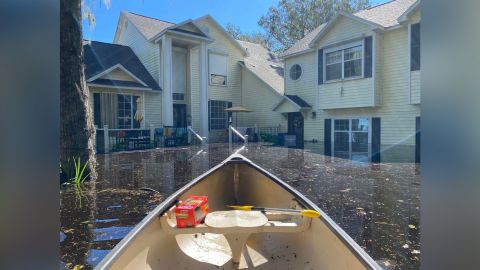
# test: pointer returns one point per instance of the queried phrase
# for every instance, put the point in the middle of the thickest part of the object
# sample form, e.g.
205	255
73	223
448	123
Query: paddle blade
241	207
310	213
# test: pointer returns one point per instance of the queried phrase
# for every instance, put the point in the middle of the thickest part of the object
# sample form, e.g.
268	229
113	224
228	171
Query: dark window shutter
327	137
136	124
97	120
376	140
229	115
209	115
368	58
415	47
320	66
417	139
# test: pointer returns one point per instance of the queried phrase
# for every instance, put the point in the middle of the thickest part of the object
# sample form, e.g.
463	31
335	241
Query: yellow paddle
303	213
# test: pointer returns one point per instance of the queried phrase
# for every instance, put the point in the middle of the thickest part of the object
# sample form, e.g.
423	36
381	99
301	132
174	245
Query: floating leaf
415	251
411	226
405	246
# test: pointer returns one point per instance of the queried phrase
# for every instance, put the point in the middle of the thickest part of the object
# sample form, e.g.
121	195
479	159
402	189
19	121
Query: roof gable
222	31
101	59
333	23
291	103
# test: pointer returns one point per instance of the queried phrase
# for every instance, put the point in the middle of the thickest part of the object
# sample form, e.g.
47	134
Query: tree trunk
76	123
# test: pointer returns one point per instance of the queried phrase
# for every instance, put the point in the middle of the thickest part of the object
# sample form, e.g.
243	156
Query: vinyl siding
118	74
147	52
306	87
153	101
344	29
258	97
415	87
391	88
234	85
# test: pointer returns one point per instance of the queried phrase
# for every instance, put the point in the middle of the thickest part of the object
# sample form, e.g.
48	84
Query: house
160	74
360	74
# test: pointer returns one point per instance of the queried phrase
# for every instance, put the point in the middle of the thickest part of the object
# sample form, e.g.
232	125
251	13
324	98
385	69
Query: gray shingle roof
265	65
148	26
100	56
299	101
385	15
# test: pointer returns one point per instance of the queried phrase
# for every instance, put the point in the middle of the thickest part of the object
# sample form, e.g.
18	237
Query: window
117	111
295	72
415	47
218	69
344	63
218	115
178	96
351	139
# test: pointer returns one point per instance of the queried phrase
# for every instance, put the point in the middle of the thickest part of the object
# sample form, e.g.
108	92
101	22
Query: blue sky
242	13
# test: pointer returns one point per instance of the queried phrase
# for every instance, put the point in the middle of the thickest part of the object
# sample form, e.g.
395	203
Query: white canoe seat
237	226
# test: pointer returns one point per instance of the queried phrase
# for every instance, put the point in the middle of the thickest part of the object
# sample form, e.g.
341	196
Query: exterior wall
391	80
344	29
306	88
151	102
415	76
232	92
118	74
257	96
147	52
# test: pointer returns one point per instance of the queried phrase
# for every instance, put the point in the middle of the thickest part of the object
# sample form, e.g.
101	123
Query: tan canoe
283	242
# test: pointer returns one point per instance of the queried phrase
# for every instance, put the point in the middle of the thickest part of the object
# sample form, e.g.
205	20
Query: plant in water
79	176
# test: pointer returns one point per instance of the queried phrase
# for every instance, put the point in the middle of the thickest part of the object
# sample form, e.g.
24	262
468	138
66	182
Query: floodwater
376	204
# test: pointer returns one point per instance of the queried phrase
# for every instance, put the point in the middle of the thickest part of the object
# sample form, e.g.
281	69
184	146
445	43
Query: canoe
275	241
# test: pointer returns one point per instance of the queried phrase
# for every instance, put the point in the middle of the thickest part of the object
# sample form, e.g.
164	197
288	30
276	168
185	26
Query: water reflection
376	204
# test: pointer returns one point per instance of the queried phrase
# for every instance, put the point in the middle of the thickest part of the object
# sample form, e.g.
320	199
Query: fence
115	140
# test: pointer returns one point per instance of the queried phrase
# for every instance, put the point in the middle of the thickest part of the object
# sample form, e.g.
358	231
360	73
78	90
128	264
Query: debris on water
411	226
415	251
345	190
406	246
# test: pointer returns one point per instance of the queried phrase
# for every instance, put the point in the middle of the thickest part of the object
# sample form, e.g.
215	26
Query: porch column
203	70
167	99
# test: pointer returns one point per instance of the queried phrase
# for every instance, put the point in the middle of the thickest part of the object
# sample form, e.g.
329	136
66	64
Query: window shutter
209	114
327	137
368	57
229	105
136	124
320	66
417	140
415	47
97	115
376	140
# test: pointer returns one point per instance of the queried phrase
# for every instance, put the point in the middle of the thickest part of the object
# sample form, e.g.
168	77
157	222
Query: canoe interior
317	247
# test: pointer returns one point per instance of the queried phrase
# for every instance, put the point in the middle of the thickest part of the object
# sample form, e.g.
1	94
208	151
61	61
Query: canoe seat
237	226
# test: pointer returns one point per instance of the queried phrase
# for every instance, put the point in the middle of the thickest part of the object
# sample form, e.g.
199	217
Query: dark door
295	127
179	115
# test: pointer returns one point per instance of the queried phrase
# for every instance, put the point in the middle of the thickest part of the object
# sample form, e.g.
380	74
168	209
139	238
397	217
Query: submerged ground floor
376	204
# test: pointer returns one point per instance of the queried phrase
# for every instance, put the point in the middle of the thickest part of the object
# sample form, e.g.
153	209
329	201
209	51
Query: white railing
196	135
231	131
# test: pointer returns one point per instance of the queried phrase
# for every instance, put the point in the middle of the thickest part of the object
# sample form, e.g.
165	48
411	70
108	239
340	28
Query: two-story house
158	73
360	74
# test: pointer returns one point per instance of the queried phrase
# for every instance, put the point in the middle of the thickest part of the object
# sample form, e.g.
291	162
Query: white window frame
142	96
210	74
332	136
342	48
210	115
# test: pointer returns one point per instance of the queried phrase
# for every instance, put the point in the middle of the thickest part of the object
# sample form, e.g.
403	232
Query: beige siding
306	88
258	97
392	88
344	29
118	74
346	94
232	92
147	52
152	101
415	87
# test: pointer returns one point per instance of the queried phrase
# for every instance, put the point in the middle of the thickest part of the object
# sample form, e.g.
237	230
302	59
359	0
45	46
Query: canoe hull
324	245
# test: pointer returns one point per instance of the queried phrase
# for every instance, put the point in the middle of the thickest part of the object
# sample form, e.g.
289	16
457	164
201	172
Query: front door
179	115
295	127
